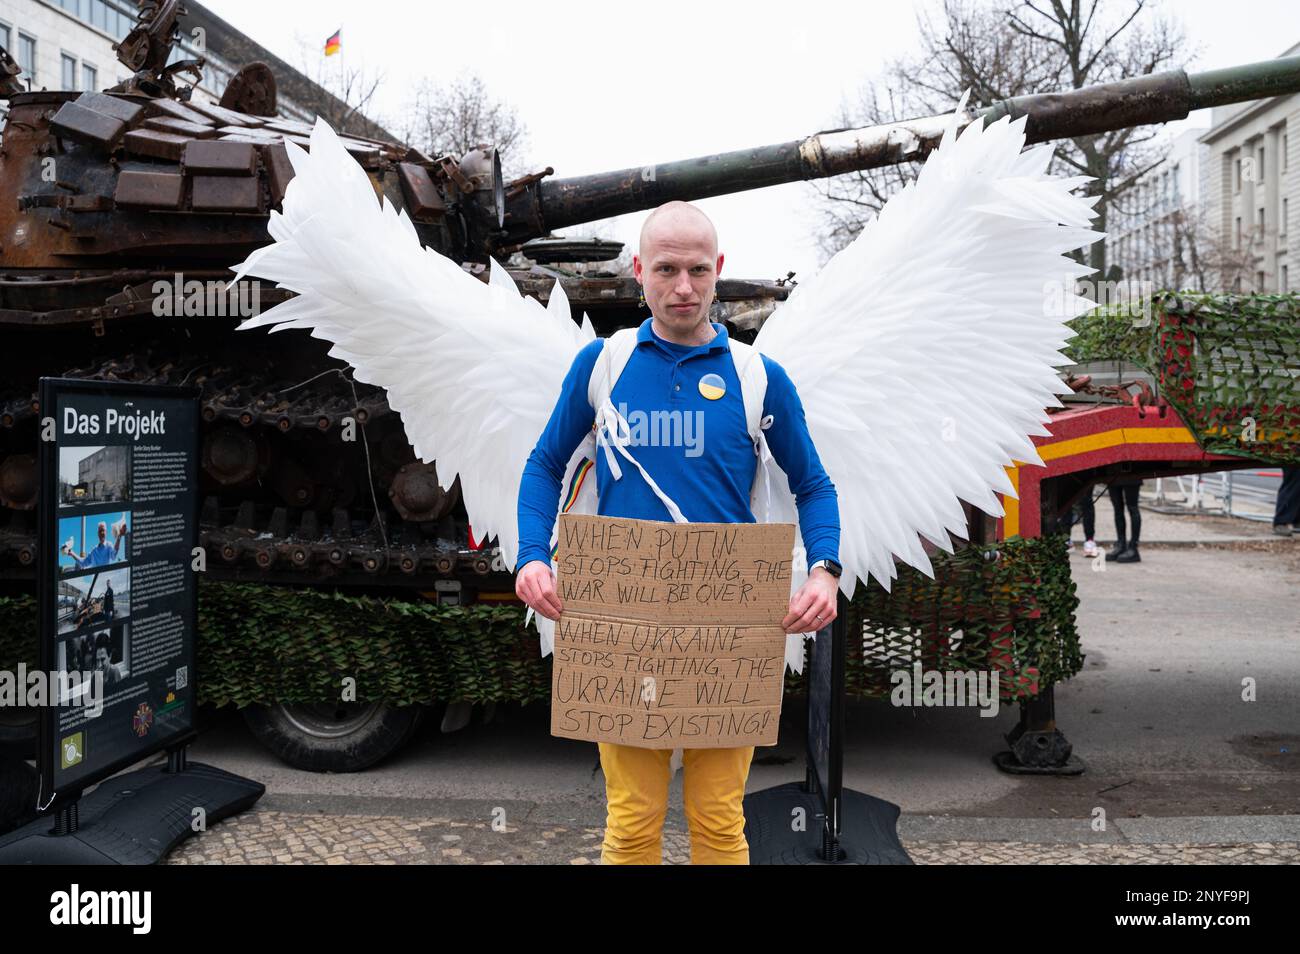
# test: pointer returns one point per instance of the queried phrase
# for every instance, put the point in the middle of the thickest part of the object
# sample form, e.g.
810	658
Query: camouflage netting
1229	364
1010	609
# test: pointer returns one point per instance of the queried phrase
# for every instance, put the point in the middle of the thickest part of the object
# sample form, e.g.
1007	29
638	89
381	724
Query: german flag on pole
332	44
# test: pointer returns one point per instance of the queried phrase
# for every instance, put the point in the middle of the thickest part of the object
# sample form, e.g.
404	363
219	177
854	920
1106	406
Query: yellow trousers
713	793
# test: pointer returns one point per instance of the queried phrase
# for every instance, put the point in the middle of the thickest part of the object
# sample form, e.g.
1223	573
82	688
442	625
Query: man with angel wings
924	354
681	364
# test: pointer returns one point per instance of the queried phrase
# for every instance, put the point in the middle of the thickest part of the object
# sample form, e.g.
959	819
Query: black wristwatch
833	568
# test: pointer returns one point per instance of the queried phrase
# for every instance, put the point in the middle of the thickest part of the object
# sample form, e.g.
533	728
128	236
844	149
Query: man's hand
535	585
814	606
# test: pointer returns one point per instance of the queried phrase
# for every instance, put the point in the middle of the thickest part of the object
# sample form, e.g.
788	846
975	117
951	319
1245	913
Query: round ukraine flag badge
712	386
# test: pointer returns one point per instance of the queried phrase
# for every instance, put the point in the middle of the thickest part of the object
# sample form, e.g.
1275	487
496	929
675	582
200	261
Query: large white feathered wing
924	352
474	369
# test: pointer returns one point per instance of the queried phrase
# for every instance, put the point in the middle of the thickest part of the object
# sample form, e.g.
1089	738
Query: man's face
102	659
678	267
103	532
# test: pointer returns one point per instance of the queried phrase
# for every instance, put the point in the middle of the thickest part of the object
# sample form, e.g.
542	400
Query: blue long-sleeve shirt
687	425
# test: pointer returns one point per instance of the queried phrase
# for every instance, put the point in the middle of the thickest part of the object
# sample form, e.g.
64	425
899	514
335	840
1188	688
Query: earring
641	300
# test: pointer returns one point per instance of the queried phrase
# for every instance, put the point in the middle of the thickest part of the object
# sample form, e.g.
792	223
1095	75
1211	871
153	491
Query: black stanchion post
840	826
829	645
65	821
176	760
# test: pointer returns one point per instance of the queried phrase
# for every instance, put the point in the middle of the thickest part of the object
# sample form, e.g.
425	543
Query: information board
117	591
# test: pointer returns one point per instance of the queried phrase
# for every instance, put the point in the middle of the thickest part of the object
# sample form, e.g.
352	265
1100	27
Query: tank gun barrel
1154	98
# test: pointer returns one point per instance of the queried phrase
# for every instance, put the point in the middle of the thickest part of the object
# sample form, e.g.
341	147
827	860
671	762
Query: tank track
250	421
228	394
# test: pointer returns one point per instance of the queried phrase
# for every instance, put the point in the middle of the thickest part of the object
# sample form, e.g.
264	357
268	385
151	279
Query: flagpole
343	76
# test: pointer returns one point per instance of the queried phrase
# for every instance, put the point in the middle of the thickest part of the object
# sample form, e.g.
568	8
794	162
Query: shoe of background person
1090	548
1069	544
1114	552
1283	529
1129	555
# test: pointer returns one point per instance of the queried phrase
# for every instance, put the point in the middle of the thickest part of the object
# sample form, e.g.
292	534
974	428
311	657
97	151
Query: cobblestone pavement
264	836
1014	852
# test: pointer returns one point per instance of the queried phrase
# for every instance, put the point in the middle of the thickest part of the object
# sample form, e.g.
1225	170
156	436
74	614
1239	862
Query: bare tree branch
999	51
462	115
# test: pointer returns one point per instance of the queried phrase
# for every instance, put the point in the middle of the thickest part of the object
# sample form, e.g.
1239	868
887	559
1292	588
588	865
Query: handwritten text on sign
671	633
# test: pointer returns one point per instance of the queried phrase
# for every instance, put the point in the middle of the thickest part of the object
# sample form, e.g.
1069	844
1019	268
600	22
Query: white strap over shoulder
753	388
753	383
609	366
612	432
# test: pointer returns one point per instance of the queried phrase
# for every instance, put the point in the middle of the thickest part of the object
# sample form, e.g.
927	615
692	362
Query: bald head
678	223
678	266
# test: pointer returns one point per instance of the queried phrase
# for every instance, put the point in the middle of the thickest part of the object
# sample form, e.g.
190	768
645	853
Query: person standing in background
1286	516
1088	512
1124	496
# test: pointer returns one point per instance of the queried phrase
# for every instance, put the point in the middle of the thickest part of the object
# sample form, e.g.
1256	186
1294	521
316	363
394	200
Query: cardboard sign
671	632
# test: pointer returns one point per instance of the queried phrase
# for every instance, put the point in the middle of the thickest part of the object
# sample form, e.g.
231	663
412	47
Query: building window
89	77
69	75
1281	226
1236	179
27	57
4	36
1285	150
1259	165
114	17
1236	239
1261	225
1259	281
1283	286
119	24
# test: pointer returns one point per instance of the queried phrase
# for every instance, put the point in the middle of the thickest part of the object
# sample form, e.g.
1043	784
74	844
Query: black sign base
133	819
868	832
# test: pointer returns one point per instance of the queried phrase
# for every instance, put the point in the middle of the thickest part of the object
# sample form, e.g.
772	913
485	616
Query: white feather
474	369
924	352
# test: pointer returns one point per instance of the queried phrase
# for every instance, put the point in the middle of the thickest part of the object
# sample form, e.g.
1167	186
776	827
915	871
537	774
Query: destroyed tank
121	212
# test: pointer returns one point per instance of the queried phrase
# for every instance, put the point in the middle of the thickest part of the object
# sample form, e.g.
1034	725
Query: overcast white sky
606	85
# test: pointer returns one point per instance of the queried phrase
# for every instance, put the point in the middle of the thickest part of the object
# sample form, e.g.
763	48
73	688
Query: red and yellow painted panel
1089	438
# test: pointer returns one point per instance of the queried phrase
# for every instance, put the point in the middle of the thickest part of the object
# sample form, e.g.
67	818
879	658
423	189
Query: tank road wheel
18	732
333	737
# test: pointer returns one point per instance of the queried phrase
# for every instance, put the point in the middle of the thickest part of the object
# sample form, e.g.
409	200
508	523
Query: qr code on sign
182	677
